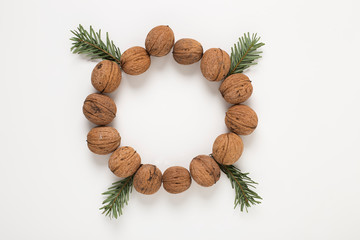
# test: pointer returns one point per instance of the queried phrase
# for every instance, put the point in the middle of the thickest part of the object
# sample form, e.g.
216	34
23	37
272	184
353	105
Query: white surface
304	153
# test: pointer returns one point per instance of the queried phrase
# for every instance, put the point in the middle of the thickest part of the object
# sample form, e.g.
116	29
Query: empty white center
170	113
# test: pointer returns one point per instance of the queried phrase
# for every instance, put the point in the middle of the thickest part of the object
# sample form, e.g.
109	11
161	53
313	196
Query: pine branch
244	196
244	52
91	44
117	197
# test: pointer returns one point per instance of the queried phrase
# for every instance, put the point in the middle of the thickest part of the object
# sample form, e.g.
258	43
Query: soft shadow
149	200
249	139
137	81
180	198
205	192
186	70
87	59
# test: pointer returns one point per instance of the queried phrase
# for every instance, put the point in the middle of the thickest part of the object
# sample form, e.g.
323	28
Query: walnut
241	119
147	179
106	76
176	179
204	170
227	148
187	51
236	88
99	109
124	162
135	60
103	140
159	41
215	64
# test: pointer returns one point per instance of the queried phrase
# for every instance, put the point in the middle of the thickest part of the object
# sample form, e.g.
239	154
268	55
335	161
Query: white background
304	153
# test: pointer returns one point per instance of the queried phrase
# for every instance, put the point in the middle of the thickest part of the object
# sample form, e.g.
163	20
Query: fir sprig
244	196
244	53
91	44
117	197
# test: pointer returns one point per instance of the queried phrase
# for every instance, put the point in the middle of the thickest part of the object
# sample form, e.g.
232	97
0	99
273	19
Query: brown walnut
241	119
204	170
124	162
135	61
103	140
159	41
106	76
187	51
176	179
227	148
99	109
215	64
236	88
147	179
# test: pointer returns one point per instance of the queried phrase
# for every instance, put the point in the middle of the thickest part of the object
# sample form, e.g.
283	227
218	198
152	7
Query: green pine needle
91	44
244	53
117	197
244	196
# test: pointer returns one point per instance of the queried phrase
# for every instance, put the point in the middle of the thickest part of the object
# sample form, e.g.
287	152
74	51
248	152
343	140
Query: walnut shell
236	88
159	41
215	64
124	162
227	148
147	179
241	119
187	51
103	140
135	61
176	179
204	170
99	109
106	76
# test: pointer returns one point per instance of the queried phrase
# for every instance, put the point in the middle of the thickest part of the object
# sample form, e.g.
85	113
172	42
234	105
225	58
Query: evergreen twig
244	196
244	53
91	44
117	197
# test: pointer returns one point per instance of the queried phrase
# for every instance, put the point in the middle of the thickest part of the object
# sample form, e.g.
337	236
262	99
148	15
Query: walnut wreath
125	162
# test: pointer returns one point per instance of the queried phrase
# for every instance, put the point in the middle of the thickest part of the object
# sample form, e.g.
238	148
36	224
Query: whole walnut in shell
241	119
227	148
187	51
135	60
99	109
147	179
159	41
236	88
176	179
106	76
124	162
103	140
204	170
215	64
